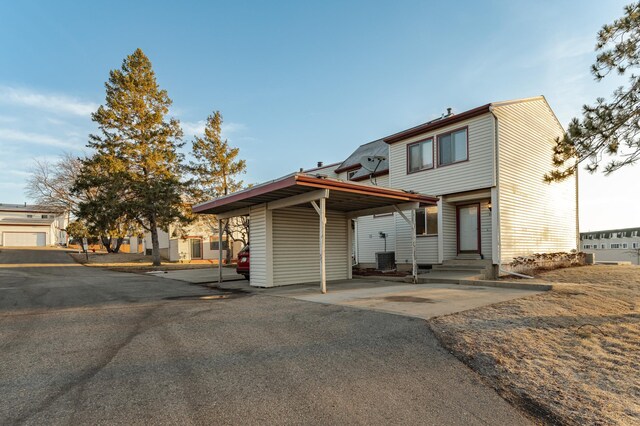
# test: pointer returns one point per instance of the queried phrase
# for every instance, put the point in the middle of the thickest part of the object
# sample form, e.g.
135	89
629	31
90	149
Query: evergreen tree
608	132
216	168
136	160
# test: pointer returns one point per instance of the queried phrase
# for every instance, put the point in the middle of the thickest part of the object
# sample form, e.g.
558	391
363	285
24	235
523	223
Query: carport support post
414	261
323	223
412	224
219	251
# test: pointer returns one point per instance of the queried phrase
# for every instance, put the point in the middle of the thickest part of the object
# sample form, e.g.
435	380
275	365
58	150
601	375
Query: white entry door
469	229
25	239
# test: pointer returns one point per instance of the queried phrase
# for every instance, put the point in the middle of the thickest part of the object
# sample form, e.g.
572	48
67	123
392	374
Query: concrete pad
414	300
199	276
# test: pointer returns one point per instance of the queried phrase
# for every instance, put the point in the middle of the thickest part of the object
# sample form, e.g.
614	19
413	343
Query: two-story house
23	225
474	182
613	245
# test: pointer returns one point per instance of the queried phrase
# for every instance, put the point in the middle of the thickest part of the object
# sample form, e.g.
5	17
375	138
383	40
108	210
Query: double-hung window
427	221
452	147
420	155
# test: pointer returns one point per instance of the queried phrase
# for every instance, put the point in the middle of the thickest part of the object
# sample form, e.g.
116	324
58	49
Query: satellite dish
371	162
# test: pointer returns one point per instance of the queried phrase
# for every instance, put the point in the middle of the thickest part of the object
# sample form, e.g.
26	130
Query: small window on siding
614	246
427	221
452	147
351	174
420	156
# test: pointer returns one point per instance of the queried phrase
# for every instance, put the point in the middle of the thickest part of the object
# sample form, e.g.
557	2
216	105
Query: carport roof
344	196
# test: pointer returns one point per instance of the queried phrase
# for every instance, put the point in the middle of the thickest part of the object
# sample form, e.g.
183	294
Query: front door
469	228
196	248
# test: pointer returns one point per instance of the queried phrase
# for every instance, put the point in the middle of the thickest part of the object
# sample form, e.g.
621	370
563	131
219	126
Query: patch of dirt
412	299
370	272
567	356
132	262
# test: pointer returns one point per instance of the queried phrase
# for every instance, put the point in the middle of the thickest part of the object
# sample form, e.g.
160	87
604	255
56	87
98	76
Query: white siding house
25	225
613	245
487	200
494	204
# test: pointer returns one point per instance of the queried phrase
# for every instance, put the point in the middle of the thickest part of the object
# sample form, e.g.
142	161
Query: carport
301	225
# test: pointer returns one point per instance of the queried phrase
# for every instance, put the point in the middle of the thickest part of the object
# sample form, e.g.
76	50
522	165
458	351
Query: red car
243	262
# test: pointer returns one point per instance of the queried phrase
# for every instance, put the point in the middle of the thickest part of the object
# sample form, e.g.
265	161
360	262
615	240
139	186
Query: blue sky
299	82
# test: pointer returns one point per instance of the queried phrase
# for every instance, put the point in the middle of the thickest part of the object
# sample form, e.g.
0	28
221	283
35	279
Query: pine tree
608	132
216	168
136	151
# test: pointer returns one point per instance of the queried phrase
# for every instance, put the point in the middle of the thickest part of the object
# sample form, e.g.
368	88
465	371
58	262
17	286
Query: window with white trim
586	246
635	245
420	156
624	245
452	147
614	245
602	246
427	221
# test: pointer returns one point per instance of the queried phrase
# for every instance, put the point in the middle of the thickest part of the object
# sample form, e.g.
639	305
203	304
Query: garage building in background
23	225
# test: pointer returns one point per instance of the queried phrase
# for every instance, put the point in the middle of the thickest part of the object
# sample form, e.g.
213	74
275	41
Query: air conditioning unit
386	260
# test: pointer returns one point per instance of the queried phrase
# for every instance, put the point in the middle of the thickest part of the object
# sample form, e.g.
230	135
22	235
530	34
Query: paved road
86	346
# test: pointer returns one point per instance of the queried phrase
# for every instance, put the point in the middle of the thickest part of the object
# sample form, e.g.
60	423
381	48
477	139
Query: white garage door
25	239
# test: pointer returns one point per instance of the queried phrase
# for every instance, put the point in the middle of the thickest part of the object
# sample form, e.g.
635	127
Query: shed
301	225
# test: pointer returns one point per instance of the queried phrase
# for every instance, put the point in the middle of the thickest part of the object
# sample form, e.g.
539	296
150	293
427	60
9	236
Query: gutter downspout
495	201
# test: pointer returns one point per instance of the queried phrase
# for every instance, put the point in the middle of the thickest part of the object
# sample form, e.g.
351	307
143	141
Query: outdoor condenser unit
386	260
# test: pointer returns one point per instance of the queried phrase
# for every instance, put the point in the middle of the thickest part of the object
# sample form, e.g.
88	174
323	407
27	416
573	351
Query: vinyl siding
485	230
296	244
369	228
535	217
426	247
449	238
475	173
259	276
369	240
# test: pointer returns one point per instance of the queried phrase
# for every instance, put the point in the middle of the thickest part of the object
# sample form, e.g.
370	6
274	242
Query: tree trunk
118	244
229	242
106	242
155	243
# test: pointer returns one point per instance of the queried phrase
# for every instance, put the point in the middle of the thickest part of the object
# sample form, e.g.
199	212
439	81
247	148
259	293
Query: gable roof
371	149
452	119
28	208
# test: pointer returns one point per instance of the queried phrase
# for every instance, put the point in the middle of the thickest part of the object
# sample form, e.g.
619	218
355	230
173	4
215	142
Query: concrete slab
199	276
414	300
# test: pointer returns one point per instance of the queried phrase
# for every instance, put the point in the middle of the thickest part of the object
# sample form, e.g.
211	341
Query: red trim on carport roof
315	182
422	128
348	168
363	189
273	186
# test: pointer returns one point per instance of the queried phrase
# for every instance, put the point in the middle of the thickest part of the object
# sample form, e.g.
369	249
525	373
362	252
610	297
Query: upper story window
453	147
29	216
427	221
420	155
350	175
45	216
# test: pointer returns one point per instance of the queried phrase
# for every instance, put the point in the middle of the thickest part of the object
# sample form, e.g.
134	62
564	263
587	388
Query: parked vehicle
243	262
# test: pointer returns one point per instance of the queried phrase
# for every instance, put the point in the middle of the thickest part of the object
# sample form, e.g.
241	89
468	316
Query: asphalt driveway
84	345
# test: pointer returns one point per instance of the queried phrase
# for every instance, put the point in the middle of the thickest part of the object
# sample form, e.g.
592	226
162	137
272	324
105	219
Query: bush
546	261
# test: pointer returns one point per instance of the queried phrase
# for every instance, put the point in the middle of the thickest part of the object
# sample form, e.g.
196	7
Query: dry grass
568	356
131	262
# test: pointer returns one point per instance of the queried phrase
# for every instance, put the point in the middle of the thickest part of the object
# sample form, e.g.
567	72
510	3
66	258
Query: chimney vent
449	112
320	163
